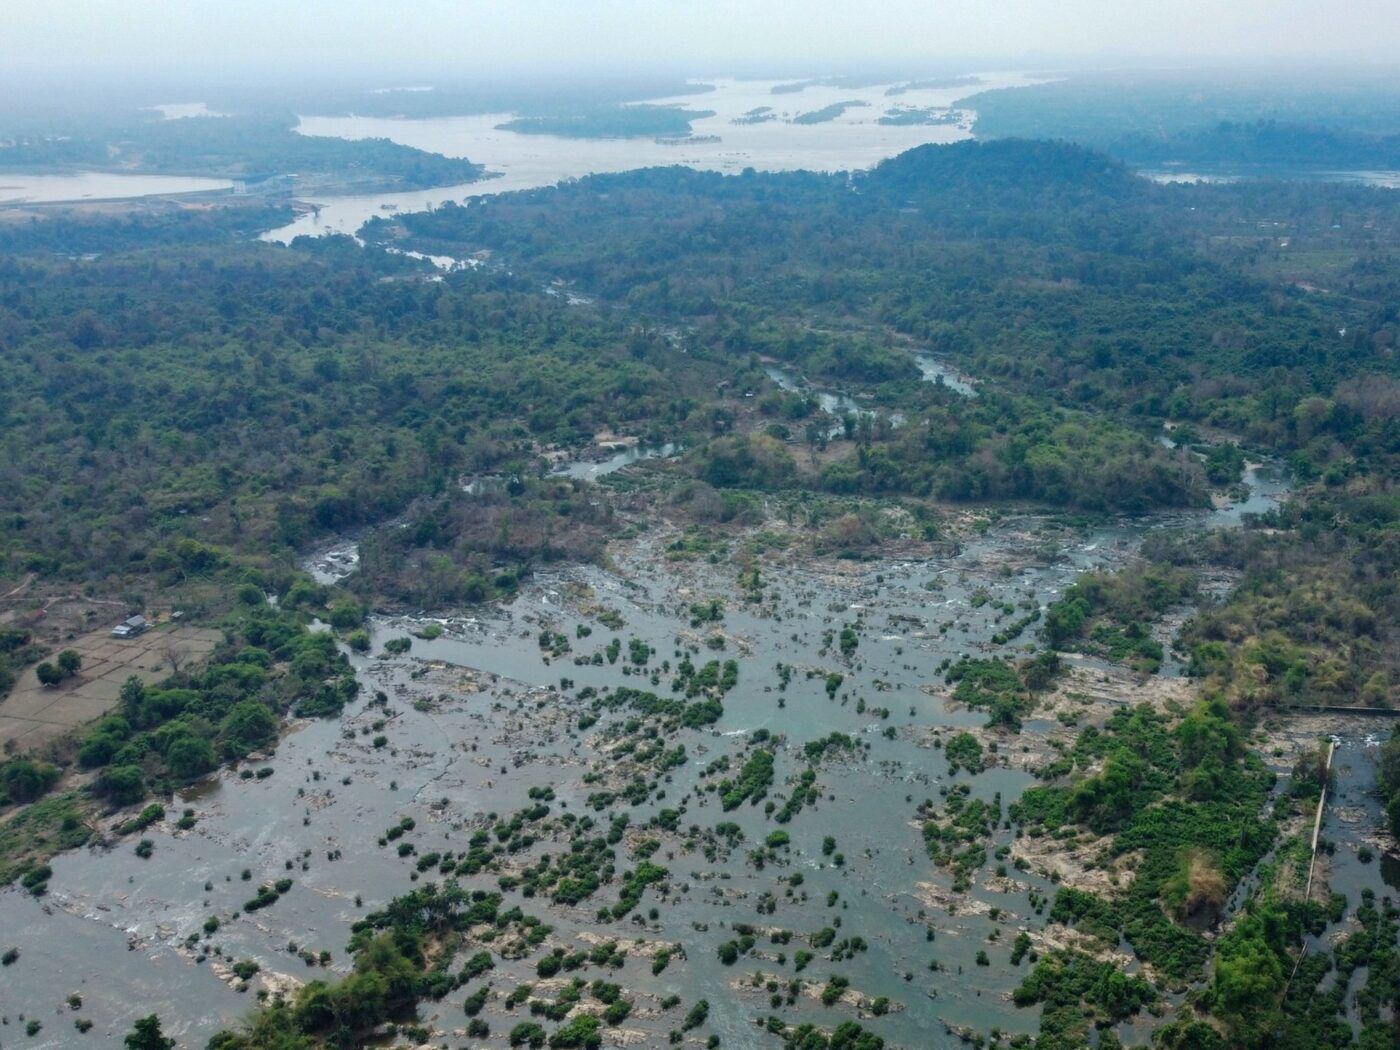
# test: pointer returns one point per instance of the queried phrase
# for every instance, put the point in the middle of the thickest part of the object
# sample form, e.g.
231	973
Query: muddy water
17	188
936	370
333	561
592	470
476	719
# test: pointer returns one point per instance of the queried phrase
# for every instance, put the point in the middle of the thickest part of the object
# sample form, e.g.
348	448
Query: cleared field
34	713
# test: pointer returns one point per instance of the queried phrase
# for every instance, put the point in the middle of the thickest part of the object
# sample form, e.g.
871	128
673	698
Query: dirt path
24	586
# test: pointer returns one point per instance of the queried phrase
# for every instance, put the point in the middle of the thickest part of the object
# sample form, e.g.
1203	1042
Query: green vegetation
1268	122
160	738
392	971
957	838
1314	620
267	435
753	781
17	650
255	148
827	113
1077	992
964	751
913	116
146	1034
66	666
1186	799
1005	690
1110	613
163	737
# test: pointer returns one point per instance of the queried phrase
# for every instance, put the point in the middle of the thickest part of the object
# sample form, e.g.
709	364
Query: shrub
25	779
120	785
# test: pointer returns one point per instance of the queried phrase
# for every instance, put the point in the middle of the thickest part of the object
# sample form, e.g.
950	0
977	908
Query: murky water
1382	179
185	110
16	188
854	140
476	719
592	470
936	370
830	402
333	562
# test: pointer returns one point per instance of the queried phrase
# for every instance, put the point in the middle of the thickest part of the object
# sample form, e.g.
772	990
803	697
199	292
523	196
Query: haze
100	37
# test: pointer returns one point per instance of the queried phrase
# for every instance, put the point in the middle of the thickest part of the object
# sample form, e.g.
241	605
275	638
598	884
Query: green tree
1390	763
1249	976
248	726
121	785
133	698
527	1033
68	662
346	615
189	756
48	674
146	1035
25	779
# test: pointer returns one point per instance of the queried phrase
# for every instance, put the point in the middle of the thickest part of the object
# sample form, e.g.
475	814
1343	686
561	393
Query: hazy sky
471	37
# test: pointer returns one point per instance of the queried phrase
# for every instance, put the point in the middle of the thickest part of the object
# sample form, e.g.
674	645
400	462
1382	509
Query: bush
527	1033
248	726
120	785
346	615
26	779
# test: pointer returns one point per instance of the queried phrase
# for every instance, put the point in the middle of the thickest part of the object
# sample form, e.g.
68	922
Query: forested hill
1005	176
1046	265
1265	145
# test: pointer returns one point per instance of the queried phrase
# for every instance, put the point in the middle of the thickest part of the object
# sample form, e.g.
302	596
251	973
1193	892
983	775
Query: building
130	628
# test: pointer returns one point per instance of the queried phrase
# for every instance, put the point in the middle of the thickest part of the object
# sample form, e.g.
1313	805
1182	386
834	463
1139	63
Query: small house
131	627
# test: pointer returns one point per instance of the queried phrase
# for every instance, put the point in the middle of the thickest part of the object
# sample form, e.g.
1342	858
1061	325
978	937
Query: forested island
617	122
256	148
920	606
827	113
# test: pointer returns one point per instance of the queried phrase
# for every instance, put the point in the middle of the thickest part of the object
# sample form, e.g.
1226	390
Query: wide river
725	142
98	186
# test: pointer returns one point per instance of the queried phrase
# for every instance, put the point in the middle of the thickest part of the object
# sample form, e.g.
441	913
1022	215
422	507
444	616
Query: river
1389	180
852	141
19	188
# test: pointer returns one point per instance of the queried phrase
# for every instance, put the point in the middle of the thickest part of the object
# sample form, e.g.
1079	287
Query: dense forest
1045	267
262	397
168	384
